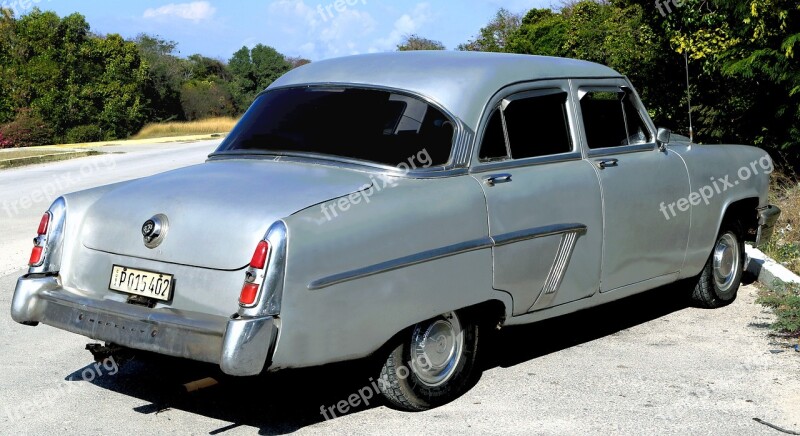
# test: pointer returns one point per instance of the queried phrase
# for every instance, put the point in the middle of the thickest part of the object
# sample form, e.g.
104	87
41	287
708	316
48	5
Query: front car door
544	204
643	246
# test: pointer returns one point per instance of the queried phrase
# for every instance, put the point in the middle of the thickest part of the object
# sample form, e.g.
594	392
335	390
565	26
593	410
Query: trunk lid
217	211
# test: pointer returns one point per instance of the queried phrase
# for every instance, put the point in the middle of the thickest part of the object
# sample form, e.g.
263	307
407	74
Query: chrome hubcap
436	349
726	261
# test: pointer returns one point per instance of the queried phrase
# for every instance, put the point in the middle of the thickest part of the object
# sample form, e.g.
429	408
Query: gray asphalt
645	365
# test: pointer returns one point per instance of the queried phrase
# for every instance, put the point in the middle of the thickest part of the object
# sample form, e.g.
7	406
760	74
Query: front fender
721	175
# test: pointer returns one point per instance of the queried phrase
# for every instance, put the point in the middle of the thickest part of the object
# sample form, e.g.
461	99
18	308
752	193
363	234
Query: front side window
533	126
370	125
610	119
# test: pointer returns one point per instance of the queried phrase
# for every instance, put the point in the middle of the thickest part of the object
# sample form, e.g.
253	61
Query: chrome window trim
611	85
447	251
518	91
458	146
428	173
623	149
527	162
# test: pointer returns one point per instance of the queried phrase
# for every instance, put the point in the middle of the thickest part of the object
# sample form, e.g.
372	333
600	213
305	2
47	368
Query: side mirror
663	137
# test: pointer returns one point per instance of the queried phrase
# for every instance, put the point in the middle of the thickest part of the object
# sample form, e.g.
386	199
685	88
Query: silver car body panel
544	237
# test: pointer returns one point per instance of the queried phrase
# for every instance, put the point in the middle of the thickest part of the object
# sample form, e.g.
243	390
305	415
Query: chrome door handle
497	178
605	163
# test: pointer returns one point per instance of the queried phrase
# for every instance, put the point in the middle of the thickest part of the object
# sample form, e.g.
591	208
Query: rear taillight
37	254
249	294
44	224
255	275
260	255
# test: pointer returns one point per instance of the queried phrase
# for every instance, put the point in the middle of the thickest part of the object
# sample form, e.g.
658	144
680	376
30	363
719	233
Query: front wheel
434	365
719	282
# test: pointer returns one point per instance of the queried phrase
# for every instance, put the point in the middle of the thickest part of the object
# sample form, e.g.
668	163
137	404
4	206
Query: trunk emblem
154	230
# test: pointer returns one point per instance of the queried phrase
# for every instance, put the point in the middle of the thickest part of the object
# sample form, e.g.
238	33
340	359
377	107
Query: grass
785	244
785	301
28	152
185	128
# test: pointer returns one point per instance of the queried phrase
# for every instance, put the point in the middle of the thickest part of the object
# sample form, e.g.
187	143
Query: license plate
138	282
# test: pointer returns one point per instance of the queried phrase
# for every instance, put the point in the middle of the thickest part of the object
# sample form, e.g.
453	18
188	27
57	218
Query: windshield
371	125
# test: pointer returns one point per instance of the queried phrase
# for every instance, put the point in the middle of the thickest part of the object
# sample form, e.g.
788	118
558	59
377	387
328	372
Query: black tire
406	389
711	291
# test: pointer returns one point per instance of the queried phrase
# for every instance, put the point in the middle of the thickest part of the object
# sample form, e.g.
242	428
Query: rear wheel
719	282
432	366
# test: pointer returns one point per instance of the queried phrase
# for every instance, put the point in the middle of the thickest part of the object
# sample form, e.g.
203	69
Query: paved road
26	192
646	365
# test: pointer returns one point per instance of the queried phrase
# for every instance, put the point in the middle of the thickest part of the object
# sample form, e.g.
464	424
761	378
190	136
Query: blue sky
314	29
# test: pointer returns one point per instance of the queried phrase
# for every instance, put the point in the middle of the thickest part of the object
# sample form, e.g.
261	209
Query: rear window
370	125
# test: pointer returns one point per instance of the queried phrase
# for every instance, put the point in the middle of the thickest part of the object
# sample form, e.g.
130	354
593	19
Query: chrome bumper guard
240	346
767	217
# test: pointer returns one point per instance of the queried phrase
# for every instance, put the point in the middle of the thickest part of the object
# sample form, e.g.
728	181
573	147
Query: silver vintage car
395	205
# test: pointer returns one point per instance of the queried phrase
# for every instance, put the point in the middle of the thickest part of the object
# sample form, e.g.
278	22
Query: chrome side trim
557	271
560	263
450	250
402	262
538	232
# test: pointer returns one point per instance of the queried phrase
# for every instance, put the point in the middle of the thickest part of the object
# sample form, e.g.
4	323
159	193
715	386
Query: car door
543	200
642	246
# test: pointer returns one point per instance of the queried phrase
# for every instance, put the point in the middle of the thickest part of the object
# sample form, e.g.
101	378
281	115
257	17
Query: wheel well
745	212
489	313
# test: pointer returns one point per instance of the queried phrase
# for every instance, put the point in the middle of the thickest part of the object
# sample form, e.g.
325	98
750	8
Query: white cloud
407	24
194	11
318	33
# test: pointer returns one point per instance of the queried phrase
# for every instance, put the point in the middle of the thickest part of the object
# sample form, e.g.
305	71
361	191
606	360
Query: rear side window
610	119
538	126
494	139
528	127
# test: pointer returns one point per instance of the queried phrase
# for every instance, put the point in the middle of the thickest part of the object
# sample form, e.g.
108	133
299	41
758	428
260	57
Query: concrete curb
32	160
770	273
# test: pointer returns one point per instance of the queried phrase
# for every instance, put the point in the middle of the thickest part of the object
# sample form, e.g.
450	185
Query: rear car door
544	205
642	245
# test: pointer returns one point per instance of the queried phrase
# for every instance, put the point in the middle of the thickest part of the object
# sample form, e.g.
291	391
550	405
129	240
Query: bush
27	130
785	301
85	133
4	143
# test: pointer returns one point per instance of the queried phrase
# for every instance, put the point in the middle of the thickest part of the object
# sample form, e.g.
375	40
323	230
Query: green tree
166	75
495	36
541	32
253	71
416	42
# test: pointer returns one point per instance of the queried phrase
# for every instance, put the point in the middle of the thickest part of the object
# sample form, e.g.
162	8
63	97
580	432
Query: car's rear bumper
239	346
767	217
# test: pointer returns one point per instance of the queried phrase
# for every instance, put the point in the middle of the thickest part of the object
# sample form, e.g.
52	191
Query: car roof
462	82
